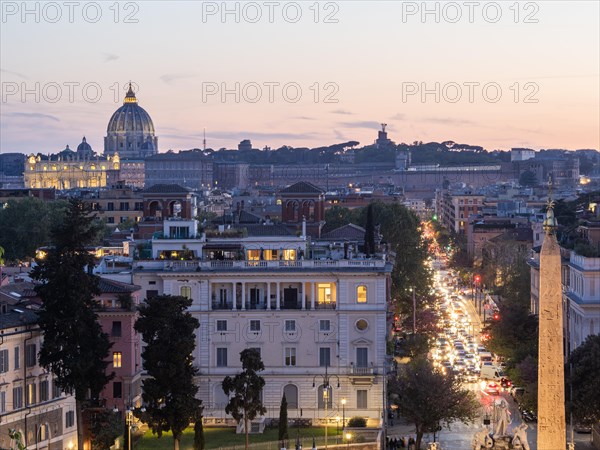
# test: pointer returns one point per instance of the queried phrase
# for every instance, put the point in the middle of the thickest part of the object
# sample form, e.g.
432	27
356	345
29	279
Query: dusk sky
369	67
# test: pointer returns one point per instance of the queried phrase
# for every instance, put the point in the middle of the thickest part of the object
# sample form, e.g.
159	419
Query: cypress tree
370	232
283	419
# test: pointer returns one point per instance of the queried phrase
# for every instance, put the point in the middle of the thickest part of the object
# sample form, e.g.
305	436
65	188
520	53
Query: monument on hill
551	386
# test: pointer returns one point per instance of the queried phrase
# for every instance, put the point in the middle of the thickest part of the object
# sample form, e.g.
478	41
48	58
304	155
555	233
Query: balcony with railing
362	375
217	265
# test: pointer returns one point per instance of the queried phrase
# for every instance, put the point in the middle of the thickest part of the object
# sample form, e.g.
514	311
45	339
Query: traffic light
477	279
496	316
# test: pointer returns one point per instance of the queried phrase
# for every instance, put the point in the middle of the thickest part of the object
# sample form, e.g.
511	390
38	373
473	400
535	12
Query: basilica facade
72	169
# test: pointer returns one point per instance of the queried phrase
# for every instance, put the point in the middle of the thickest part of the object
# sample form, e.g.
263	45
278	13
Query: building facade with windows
118	204
313	319
117	313
30	401
454	208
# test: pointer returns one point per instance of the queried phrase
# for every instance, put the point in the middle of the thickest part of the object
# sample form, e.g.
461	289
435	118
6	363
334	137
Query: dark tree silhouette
245	388
75	349
169	391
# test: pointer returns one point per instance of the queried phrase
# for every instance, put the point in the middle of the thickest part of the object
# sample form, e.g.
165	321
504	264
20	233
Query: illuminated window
271	255
361	294
289	255
186	291
253	255
326	293
117	359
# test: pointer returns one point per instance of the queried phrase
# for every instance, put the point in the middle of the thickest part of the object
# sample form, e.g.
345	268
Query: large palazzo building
315	310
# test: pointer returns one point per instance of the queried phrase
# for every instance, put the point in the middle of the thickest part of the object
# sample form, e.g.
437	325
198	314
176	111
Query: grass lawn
226	437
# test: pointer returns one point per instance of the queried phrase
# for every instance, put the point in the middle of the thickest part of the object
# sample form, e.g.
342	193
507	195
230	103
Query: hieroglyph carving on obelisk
551	384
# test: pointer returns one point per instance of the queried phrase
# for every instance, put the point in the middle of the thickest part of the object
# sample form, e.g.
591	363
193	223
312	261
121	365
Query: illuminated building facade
71	170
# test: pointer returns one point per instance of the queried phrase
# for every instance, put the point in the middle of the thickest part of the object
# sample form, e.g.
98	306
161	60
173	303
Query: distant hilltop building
521	154
70	169
382	138
246	145
130	131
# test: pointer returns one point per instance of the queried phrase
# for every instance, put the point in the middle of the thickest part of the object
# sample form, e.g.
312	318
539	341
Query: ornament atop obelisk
552	434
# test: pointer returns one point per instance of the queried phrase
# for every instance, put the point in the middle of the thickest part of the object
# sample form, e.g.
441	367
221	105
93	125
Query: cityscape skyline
463	94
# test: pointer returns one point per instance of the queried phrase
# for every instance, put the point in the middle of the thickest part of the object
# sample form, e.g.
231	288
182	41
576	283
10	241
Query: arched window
361	294
43	432
291	395
186	291
325	396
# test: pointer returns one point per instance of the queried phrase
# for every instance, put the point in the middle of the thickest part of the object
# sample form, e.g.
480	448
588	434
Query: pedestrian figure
411	443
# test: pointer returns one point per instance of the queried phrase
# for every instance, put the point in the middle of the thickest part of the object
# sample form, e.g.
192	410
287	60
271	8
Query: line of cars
456	349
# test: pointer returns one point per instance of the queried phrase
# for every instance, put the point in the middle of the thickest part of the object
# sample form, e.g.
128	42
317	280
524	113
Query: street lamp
337	429
129	422
348	437
343	415
326	395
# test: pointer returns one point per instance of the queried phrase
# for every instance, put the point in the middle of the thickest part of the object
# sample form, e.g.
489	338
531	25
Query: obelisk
552	433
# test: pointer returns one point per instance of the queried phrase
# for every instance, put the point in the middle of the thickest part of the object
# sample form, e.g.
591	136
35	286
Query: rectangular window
124	206
116	329
55	390
221	357
290	325
110	220
255	325
18	397
362	356
3	361
44	391
253	255
117	389
325	293
69	419
2	402
30	355
117	356
361	399
31	394
17	357
221	325
324	356
290	356
186	291
110	206
324	325
361	294
151	294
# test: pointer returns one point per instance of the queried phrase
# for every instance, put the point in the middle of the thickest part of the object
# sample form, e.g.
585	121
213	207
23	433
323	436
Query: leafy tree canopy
25	226
585	378
429	398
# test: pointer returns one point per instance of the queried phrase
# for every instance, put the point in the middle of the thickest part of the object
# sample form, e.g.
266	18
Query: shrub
357	422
